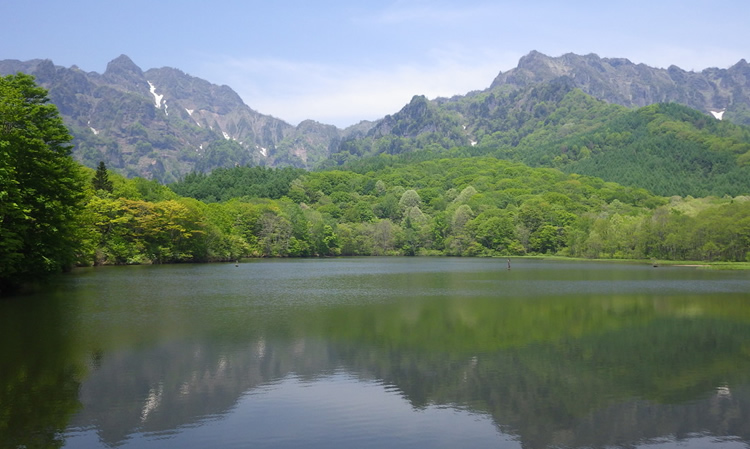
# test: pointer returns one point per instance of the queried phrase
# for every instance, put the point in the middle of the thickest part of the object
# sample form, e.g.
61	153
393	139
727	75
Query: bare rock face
635	85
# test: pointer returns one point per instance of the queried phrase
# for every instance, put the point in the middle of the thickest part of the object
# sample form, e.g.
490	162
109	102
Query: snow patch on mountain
157	97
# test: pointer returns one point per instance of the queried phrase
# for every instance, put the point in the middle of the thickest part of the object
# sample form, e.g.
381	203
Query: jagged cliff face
635	85
163	123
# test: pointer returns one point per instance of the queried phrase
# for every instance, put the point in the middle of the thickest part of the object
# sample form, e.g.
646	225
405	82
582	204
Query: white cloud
343	95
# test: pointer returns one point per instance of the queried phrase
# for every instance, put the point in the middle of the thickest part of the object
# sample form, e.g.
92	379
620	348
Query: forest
475	200
471	206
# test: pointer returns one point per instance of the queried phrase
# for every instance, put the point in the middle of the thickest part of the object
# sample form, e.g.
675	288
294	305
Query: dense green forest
471	206
474	200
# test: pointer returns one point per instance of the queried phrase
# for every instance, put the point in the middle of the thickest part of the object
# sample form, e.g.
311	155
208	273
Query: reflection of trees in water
39	378
36	404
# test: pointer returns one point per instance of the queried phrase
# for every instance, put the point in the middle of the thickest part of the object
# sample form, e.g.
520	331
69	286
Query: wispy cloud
345	94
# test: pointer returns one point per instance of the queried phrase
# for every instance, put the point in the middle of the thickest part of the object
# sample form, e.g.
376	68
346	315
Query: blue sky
340	62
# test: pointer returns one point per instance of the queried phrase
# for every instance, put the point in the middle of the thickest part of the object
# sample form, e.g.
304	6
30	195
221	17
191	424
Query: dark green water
379	352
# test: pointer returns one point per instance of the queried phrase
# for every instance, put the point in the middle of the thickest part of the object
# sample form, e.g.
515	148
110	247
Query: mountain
163	123
540	115
667	148
526	92
620	81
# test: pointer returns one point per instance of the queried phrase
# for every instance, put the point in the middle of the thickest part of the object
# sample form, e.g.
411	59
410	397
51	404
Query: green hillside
668	149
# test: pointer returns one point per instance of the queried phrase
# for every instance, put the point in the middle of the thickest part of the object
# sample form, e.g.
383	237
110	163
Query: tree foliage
224	184
459	206
41	188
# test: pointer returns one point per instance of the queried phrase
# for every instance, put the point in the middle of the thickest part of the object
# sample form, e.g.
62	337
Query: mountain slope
163	123
666	148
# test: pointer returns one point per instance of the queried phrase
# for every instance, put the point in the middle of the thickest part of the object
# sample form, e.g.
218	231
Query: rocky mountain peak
122	64
124	72
742	68
532	59
45	71
635	85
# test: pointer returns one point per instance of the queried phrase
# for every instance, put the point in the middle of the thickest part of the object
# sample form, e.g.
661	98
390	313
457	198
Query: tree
409	198
101	178
41	187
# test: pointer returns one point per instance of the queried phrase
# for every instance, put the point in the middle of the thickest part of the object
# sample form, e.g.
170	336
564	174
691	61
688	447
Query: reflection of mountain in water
180	384
577	392
618	388
555	354
560	406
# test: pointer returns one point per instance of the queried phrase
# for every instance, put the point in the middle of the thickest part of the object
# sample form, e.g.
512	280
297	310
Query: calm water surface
379	352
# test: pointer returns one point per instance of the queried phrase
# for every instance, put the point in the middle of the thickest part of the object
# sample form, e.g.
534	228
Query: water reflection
375	352
39	376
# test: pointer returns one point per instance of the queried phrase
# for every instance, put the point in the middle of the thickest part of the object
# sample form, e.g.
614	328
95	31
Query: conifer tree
101	178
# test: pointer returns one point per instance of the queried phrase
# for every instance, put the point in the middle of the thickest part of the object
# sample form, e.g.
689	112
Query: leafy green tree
409	198
330	243
547	239
494	232
275	234
41	188
387	207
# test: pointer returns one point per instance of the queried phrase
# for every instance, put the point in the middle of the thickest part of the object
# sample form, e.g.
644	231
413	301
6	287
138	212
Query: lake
379	352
